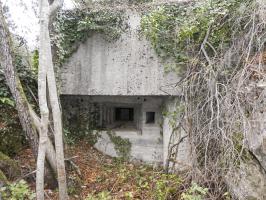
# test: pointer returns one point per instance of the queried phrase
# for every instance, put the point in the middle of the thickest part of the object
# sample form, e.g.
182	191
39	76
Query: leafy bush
17	191
195	192
100	196
3	179
166	186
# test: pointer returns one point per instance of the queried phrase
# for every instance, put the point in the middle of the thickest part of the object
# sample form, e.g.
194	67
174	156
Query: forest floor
99	177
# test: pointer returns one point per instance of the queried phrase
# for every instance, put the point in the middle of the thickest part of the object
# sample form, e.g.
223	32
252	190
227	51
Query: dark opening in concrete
124	114
150	117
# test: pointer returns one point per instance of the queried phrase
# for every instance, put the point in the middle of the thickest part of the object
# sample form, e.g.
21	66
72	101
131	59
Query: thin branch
202	48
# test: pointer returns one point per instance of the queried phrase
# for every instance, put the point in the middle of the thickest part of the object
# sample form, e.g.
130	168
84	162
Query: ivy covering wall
218	49
73	27
178	31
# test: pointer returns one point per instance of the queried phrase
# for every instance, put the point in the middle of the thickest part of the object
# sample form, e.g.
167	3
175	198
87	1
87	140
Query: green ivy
176	31
75	26
81	125
122	146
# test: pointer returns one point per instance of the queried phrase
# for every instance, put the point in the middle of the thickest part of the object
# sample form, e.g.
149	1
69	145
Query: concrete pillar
101	114
183	159
167	130
112	112
108	115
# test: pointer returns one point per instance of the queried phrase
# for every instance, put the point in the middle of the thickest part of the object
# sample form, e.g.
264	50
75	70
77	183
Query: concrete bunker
119	90
136	118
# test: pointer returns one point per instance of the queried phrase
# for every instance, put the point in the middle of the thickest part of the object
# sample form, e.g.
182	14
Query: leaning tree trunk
14	84
58	133
31	123
42	95
47	68
28	118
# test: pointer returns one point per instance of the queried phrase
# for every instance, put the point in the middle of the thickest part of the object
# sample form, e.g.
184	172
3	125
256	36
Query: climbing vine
176	31
219	46
73	27
81	124
121	145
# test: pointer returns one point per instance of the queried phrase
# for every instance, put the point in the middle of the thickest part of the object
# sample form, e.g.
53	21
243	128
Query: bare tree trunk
28	118
41	160
14	84
31	123
57	121
46	13
44	111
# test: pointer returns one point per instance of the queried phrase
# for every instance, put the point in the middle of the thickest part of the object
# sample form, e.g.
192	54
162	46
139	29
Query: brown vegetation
94	173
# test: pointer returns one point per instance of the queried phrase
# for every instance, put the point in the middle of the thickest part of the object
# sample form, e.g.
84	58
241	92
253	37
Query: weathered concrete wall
149	142
123	72
146	139
181	154
146	147
146	143
128	66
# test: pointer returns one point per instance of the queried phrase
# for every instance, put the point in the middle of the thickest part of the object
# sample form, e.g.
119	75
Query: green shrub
3	179
17	191
166	186
195	192
100	196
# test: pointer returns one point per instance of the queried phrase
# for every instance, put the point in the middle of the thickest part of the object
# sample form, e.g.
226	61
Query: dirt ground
92	175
